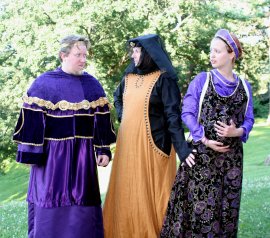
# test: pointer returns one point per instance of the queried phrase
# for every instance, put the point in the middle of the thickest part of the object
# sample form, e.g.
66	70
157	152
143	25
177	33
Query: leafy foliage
31	30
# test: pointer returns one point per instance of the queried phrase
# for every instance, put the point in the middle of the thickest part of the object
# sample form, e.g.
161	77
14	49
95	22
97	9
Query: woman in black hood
147	102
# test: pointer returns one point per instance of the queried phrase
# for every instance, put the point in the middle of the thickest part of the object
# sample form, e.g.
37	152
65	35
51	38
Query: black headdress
153	46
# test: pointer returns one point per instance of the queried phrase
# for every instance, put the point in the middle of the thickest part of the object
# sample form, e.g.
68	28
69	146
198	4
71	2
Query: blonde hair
69	41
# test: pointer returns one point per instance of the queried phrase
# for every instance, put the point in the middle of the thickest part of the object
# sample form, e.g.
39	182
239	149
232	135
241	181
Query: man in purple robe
64	131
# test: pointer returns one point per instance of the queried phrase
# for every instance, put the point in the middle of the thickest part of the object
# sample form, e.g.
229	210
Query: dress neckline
224	80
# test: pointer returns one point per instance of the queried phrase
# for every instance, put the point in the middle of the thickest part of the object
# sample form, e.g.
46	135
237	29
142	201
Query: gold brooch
132	44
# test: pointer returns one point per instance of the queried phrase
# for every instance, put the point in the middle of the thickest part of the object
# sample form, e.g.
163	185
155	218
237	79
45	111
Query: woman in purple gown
218	111
64	131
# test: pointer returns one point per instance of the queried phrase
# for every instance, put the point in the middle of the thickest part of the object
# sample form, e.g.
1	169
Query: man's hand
103	160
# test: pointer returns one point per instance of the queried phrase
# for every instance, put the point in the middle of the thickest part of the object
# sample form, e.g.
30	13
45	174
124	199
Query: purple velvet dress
64	123
205	199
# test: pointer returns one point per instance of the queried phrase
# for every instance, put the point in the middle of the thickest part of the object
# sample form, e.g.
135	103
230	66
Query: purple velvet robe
63	125
223	87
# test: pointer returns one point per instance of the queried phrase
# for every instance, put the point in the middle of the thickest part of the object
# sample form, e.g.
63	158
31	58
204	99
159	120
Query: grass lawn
255	204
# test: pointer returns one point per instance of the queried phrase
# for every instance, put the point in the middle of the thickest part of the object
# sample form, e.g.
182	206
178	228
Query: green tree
31	29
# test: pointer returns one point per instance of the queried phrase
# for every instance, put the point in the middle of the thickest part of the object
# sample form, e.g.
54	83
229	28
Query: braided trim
64	105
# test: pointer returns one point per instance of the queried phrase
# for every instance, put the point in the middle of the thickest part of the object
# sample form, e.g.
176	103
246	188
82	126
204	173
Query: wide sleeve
190	109
104	134
171	100
118	99
249	117
29	134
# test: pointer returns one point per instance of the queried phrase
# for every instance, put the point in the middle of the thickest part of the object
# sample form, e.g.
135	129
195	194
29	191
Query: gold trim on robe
64	105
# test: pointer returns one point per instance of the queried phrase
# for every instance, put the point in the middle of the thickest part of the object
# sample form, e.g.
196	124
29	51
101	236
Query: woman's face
75	61
219	55
136	54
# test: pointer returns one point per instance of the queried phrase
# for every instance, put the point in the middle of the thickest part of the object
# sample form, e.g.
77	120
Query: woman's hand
224	130
190	160
218	146
215	145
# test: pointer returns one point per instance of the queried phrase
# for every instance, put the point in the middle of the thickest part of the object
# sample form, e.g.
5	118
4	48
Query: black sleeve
118	99
104	134
171	98
29	134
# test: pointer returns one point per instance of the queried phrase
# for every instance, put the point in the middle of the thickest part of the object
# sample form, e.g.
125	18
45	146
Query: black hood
152	44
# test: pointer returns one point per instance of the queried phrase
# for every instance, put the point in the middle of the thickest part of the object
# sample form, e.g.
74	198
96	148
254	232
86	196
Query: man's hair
69	41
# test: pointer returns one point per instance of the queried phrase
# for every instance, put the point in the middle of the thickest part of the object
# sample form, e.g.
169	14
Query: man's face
75	61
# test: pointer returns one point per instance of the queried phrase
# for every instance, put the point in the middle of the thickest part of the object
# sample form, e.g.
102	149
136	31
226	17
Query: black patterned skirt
205	199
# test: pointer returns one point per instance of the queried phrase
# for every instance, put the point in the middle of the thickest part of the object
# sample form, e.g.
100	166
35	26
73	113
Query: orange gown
142	175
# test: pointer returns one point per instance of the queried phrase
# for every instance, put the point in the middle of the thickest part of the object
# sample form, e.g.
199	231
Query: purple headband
226	36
